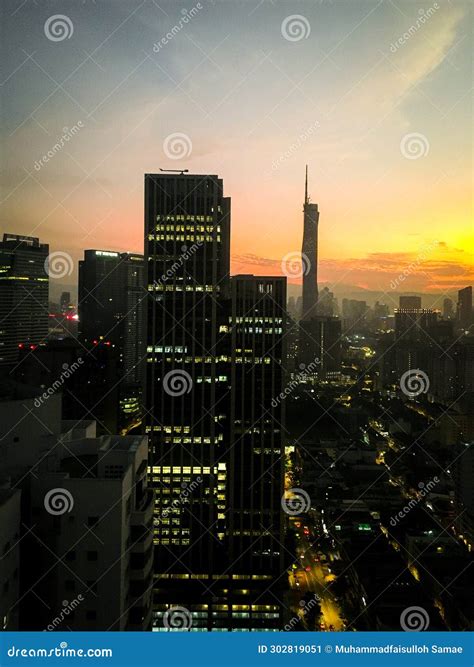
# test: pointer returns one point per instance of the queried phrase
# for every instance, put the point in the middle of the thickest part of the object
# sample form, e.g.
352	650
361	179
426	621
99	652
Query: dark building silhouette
320	346
112	312
309	256
65	301
24	284
409	302
210	340
255	460
448	309
464	308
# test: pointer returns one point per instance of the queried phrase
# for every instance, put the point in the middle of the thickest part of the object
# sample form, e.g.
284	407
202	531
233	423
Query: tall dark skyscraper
214	352
309	256
24	285
319	335
112	312
256	454
464	307
187	237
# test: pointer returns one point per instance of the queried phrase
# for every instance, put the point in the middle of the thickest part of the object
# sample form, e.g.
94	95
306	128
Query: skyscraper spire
306	187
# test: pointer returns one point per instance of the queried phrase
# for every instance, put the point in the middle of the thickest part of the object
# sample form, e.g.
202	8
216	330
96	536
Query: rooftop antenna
175	171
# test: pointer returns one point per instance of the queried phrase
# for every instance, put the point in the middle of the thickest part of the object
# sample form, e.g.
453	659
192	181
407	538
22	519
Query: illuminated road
316	580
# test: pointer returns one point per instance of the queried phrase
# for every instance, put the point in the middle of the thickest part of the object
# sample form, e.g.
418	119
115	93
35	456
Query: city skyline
237	327
352	119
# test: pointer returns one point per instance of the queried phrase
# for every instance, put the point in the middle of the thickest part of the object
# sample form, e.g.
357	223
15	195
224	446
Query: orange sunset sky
377	101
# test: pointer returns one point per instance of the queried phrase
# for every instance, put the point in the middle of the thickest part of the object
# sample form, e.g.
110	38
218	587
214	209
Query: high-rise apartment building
24	285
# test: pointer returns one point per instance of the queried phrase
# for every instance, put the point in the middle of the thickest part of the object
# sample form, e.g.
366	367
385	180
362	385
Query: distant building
464	308
24	285
409	302
320	347
309	253
354	315
414	324
65	301
448	309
